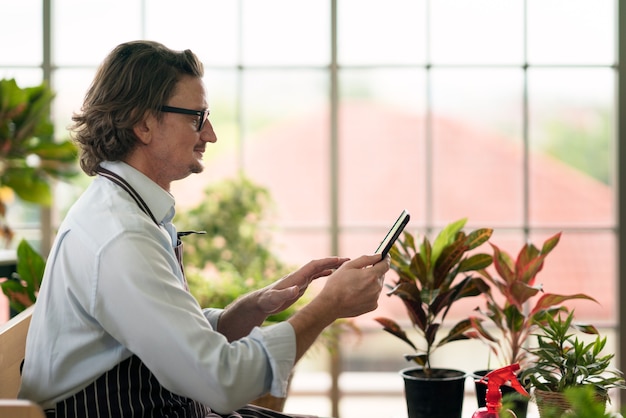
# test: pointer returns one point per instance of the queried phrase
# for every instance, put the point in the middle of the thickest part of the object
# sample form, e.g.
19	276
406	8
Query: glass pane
221	159
70	86
286	141
571	168
24	77
381	147
477	32
575	32
477	146
85	32
207	27
375	32
583	262
21	32
298	246
286	32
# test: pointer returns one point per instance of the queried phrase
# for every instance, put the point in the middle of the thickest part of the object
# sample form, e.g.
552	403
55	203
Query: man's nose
208	134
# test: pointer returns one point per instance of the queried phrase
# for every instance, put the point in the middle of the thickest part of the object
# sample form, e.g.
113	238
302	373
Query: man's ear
144	128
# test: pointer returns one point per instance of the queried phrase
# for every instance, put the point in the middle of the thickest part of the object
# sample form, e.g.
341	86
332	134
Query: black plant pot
437	396
520	403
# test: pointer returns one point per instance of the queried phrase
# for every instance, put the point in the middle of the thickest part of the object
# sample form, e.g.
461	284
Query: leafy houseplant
562	361
431	278
518	306
30	158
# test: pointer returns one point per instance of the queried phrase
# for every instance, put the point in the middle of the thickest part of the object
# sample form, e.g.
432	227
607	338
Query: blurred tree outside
583	144
235	256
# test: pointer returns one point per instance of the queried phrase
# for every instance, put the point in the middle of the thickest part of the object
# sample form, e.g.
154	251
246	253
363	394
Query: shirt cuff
212	315
279	341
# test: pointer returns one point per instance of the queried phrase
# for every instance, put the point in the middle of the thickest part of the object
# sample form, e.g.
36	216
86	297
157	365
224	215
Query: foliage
583	403
428	285
29	156
583	144
521	305
22	288
235	256
562	361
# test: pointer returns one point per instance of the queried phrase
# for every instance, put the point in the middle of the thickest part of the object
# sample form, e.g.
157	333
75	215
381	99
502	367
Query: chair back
20	408
12	347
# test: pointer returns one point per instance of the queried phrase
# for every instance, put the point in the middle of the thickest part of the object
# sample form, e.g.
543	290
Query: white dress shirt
112	288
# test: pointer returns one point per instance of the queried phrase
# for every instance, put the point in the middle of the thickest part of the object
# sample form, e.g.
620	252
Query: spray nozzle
497	378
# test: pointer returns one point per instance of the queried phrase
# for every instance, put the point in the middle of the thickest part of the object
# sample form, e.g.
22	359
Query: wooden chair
12	347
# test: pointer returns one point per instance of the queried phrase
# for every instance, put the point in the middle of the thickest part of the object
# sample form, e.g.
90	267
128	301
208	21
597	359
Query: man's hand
252	309
285	292
353	289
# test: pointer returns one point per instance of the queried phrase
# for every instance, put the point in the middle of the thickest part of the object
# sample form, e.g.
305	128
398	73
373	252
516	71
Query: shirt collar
160	202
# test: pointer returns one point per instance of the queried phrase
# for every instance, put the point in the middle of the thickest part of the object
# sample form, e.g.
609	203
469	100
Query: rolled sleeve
212	315
279	341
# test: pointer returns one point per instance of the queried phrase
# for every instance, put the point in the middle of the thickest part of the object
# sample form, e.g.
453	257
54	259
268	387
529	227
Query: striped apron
130	389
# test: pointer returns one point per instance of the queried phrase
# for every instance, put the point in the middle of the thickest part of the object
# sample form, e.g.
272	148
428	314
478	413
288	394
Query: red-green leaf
475	262
550	300
393	328
503	264
478	237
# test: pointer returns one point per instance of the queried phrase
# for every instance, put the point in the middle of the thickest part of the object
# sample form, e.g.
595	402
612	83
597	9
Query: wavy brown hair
134	79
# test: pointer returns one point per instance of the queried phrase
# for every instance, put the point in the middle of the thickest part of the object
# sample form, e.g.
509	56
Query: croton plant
431	278
515	304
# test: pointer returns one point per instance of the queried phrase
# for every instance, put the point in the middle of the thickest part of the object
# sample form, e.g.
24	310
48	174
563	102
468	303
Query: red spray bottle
494	380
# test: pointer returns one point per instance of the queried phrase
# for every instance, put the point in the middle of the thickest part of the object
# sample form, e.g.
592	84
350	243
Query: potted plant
515	306
431	278
562	361
30	161
30	158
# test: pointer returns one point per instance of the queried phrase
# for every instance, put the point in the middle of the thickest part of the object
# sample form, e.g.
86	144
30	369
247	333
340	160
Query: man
115	332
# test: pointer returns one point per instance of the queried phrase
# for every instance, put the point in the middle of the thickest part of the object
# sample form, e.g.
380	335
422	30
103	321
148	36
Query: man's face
177	145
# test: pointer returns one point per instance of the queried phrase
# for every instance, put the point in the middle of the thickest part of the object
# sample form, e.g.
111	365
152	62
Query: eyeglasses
202	114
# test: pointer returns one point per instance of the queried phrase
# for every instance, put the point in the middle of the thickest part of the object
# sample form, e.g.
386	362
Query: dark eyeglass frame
202	114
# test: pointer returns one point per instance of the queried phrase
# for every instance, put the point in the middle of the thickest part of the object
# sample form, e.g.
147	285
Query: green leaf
475	262
550	243
457	332
30	267
478	237
22	288
28	185
448	259
446	237
515	319
419	269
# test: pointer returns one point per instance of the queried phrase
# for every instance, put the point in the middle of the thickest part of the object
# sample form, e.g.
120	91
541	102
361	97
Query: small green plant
562	361
584	404
428	286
